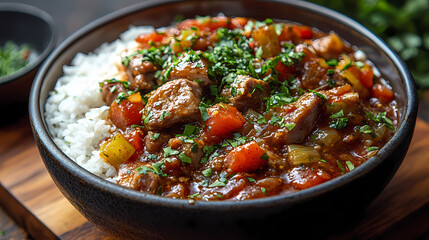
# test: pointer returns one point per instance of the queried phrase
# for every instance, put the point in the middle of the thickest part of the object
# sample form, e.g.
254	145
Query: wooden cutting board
29	195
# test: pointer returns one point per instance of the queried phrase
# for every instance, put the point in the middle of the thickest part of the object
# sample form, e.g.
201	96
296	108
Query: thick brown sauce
322	133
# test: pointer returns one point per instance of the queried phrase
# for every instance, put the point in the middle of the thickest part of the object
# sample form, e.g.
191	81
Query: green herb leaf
168	151
340	167
339	123
184	158
290	126
155	136
189	130
372	149
148	117
195	195
204	113
333	62
318	94
207	172
337	115
350	165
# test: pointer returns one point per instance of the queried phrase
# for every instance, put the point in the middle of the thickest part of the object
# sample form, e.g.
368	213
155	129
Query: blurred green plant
403	24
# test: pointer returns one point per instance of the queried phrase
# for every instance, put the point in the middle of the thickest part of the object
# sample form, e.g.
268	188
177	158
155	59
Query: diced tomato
366	76
238	22
285	35
285	71
126	113
302	177
224	120
214	23
246	158
252	45
147	38
303	31
383	93
135	138
188	23
208	25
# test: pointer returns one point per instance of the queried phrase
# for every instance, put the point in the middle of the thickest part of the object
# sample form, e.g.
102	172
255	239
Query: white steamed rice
75	112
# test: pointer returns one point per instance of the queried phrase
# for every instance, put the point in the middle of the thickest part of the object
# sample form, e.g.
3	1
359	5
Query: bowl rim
41	132
46	18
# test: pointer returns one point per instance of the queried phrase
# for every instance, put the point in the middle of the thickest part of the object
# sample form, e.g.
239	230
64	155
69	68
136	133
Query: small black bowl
24	24
318	210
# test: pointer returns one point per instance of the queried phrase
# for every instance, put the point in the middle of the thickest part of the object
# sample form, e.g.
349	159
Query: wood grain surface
31	198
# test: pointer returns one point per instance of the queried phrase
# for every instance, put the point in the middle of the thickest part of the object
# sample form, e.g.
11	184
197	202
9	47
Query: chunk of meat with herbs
246	92
292	123
173	103
192	66
141	73
220	108
111	88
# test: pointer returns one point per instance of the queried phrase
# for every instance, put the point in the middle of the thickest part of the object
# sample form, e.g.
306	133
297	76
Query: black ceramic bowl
133	214
24	24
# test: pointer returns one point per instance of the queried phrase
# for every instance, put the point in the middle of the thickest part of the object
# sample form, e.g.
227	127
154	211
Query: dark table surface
69	16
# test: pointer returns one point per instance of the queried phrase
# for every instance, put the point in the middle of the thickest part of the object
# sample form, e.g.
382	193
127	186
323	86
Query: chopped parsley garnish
168	151
203	109
347	66
337	115
340	167
261	119
236	141
350	165
276	120
155	168
184	158
155	136
189	130
207	172
331	82
277	100
221	182
339	123
365	129
164	114
264	156
372	149
318	94
148	117
123	96
381	118
251	179
333	62
195	195
126	84
290	126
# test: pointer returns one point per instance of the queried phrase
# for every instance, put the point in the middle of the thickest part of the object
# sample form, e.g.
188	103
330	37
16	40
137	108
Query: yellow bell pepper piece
116	150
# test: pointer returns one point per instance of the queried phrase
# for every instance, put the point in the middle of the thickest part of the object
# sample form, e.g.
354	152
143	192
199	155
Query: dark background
70	15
